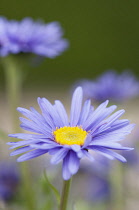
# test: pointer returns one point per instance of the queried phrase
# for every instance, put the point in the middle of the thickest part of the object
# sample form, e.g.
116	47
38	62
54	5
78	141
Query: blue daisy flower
9	179
111	86
99	190
71	140
27	36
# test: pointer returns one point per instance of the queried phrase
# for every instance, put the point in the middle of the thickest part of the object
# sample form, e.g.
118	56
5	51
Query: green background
103	35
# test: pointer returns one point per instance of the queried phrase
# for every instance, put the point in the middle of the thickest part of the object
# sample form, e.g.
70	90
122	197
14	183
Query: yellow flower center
70	135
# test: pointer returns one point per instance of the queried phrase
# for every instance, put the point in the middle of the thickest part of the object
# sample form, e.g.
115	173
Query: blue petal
110	153
31	115
20	150
32	154
85	111
46	114
98	116
53	151
59	155
113	118
80	154
75	148
50	110
94	114
109	145
65	170
104	154
73	162
87	141
29	125
116	135
88	155
22	143
33	127
76	106
118	124
115	126
37	118
62	112
37	113
27	136
29	139
45	146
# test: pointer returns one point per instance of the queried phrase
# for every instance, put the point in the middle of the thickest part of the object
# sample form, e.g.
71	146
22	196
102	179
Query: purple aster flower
97	187
9	179
99	190
71	140
111	86
28	36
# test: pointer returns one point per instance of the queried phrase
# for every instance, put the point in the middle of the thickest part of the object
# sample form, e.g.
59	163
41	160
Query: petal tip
19	159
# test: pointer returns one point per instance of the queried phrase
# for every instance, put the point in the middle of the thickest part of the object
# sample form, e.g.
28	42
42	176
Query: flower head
9	179
70	140
28	36
111	86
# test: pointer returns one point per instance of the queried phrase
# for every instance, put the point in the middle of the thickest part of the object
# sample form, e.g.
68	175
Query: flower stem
117	184
28	193
13	76
65	195
13	87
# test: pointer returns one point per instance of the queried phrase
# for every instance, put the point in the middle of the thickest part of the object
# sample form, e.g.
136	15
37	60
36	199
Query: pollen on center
70	135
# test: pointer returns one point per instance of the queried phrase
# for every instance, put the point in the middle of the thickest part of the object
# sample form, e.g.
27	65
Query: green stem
13	76
117	184
13	87
3	135
28	193
49	185
65	195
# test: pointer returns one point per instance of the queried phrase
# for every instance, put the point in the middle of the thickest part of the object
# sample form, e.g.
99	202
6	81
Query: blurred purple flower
69	141
28	36
9	179
111	86
99	190
97	187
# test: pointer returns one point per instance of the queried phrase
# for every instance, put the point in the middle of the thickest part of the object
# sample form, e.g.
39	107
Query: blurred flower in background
97	187
27	36
9	179
111	86
99	190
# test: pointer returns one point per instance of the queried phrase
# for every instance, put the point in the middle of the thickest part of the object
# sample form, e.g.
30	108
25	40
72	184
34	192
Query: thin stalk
117	184
49	185
13	79
27	189
65	195
3	135
13	76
